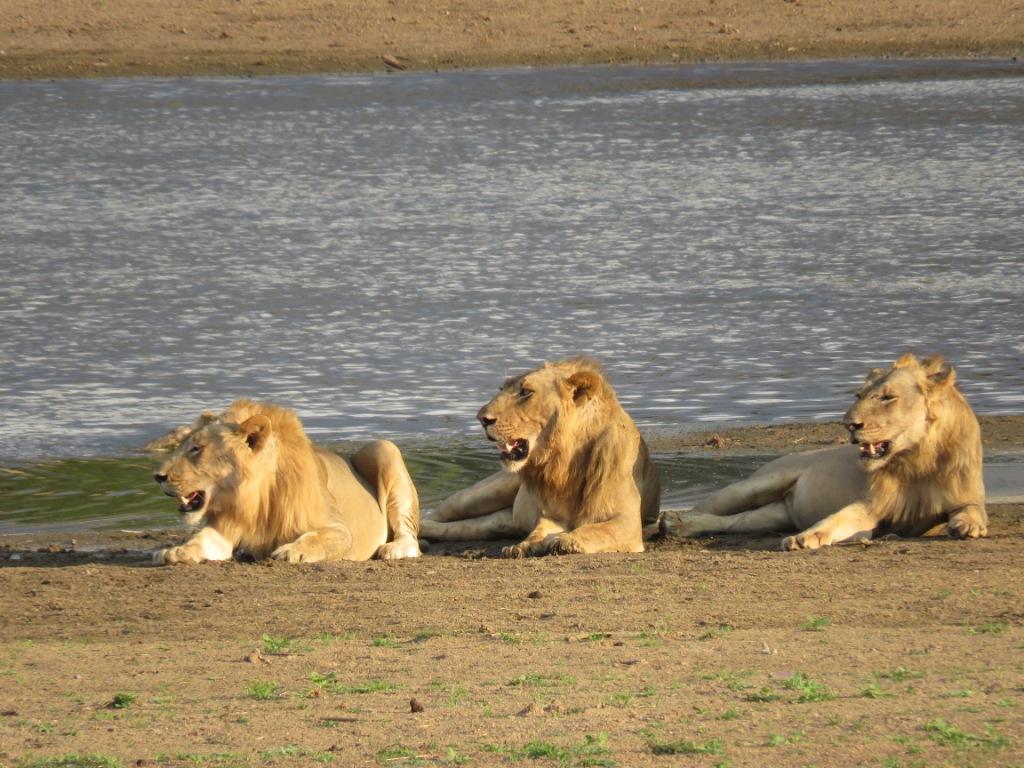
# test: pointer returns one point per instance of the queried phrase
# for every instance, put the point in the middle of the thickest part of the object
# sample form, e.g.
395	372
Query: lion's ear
938	370
582	386
255	430
909	360
875	374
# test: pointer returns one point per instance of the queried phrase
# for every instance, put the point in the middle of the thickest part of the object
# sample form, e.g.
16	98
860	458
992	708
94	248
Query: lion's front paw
514	552
806	540
182	554
399	549
967	525
563	544
298	552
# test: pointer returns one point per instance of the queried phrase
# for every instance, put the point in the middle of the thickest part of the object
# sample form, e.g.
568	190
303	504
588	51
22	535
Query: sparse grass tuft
900	674
722	629
275	644
385	641
122	700
399	755
71	761
329	682
683	747
778	740
542	681
941	732
874	692
294	750
988	628
808	689
763	696
816	624
263	690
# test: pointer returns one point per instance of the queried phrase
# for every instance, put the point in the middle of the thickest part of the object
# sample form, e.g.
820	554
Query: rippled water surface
737	243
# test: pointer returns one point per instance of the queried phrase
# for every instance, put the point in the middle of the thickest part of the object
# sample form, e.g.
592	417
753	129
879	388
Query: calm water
737	243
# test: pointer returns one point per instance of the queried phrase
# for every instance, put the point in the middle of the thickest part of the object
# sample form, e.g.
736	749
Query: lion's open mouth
193	502
877	450
516	451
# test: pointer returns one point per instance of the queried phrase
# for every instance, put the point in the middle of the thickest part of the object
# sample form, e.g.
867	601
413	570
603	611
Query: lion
577	476
253	481
915	463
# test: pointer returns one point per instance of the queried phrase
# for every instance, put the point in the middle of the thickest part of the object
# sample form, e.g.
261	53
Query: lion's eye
195	450
887	398
525	393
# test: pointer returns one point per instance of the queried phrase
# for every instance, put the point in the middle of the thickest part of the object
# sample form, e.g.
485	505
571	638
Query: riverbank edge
125	38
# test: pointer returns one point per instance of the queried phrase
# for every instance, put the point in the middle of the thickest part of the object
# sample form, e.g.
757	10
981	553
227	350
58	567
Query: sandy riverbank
897	653
723	649
83	38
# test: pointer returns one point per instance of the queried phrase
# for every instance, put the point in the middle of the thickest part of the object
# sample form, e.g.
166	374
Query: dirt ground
726	651
86	38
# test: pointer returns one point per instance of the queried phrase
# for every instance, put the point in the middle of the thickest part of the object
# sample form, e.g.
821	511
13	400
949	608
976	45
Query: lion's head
896	409
221	454
530	411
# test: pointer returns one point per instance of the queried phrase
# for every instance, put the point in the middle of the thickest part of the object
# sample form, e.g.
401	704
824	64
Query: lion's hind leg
332	542
492	494
380	463
764	488
496	525
767	519
853	522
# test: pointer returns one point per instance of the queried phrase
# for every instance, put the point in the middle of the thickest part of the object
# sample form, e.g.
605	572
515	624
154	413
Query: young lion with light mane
915	463
577	476
254	481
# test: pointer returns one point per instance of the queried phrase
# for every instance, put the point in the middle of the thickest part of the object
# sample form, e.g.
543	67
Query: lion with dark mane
254	482
915	464
577	475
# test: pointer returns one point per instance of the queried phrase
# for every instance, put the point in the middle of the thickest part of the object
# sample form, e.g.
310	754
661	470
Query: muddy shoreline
117	38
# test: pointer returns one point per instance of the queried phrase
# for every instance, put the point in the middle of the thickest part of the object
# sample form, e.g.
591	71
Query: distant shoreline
999	433
80	39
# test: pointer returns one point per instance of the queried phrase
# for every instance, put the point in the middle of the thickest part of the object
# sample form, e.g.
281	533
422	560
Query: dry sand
86	38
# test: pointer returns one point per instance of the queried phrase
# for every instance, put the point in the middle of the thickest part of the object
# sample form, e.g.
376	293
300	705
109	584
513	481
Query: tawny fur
931	474
270	491
587	485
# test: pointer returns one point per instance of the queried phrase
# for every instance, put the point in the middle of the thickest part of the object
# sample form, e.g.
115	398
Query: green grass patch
816	624
721	629
684	747
874	692
763	696
591	752
263	690
329	682
385	641
808	690
399	755
70	761
901	674
988	628
122	700
542	681
941	732
278	645
778	740
294	750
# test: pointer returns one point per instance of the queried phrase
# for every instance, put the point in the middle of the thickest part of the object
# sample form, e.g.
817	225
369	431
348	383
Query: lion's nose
853	426
160	478
486	420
